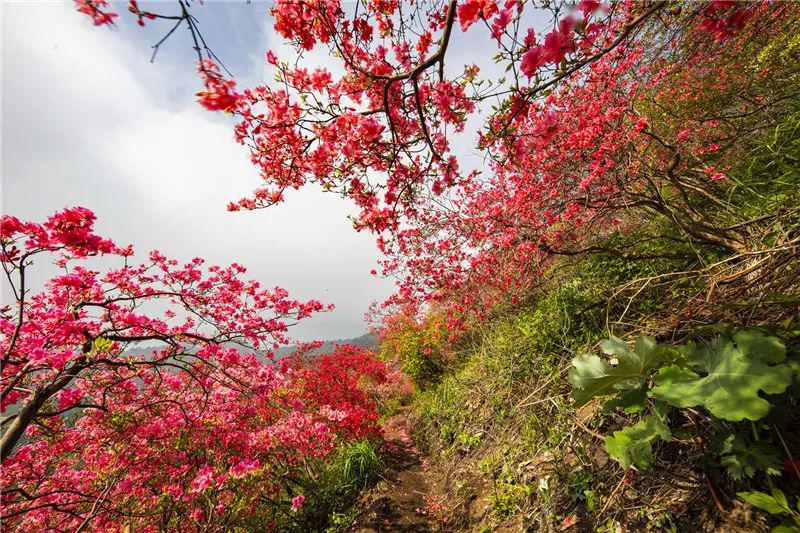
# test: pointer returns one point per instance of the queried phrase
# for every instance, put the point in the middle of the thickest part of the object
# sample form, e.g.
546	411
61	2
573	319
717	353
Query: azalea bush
641	154
422	350
605	112
145	396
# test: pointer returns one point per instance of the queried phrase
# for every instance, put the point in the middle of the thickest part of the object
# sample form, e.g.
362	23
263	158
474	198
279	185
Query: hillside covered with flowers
594	230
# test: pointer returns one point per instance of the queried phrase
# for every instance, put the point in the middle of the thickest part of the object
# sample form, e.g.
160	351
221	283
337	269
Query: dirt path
398	503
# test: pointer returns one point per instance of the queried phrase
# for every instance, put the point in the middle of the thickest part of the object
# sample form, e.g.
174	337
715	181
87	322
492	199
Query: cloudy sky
88	120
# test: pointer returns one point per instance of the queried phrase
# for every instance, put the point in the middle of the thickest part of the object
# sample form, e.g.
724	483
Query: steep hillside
648	379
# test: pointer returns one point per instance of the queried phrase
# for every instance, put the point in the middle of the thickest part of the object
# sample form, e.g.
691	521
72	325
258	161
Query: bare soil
397	503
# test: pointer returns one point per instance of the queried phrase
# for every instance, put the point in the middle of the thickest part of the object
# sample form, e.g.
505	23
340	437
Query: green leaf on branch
634	445
774	503
731	376
743	459
592	376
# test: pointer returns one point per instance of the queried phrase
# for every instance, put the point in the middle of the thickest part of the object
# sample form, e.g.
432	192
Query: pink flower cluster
97	11
148	391
220	93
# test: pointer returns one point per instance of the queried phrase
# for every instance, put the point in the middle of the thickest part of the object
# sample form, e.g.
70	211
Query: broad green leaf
631	401
634	445
780	499
763	501
645	346
614	346
785	529
729	389
592	376
756	345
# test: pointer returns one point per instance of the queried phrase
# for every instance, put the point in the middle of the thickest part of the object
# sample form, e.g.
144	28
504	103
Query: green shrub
331	494
727	377
420	349
357	466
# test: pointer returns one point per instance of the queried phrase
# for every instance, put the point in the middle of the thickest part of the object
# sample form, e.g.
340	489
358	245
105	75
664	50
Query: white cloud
88	121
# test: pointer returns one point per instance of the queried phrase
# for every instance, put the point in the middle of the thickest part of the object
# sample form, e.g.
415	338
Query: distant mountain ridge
367	340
